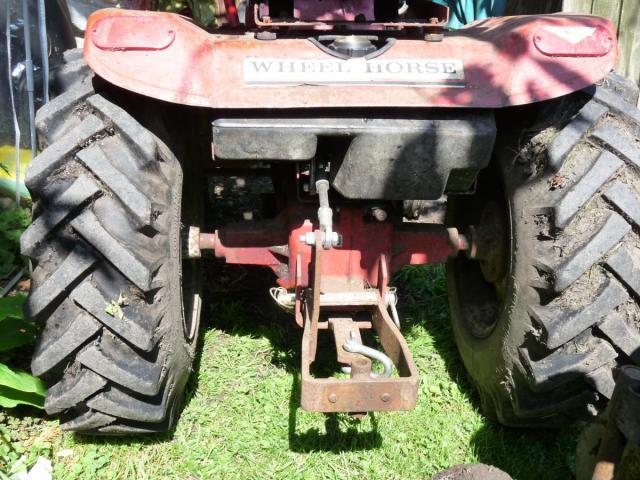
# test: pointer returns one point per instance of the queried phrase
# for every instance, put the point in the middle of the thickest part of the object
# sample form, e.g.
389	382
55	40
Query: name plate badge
355	71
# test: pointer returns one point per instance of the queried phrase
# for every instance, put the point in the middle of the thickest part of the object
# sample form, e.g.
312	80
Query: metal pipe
28	63
325	214
353	346
44	49
16	125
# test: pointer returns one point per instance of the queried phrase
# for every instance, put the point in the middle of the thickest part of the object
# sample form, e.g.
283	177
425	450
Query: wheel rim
482	275
190	293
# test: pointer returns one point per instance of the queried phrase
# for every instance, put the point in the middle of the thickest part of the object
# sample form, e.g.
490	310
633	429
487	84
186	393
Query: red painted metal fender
490	64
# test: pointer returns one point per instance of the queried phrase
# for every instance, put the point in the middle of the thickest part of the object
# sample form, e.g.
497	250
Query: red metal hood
490	64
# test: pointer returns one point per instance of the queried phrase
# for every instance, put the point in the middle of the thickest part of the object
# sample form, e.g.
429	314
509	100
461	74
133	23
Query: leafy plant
203	11
17	387
114	308
13	221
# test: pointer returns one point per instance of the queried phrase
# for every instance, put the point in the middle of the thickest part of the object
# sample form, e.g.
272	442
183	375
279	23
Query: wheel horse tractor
506	149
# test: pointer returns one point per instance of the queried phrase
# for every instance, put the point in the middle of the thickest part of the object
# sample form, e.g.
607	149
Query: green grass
242	417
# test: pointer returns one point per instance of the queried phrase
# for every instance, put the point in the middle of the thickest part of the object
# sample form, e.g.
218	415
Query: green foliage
17	387
16	331
13	221
14	457
202	11
90	464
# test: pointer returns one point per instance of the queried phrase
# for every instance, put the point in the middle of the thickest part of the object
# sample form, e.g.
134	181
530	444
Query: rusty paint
502	66
276	244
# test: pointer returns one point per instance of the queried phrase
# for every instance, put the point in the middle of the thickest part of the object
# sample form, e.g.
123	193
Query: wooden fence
624	13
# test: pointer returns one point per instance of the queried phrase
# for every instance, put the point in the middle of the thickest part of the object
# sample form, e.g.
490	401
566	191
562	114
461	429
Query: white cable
16	126
284	299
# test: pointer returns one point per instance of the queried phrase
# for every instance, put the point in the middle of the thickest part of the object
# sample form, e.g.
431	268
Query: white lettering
355	71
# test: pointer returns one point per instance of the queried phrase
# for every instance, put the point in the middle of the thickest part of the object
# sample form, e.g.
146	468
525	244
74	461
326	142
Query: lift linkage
340	283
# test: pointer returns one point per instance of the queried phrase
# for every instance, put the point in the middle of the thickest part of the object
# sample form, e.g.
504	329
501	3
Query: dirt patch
472	472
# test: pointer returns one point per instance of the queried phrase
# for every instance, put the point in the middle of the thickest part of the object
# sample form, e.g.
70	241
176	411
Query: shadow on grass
337	438
522	453
238	302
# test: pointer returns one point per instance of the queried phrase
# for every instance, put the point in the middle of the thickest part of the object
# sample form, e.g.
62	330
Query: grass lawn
242	417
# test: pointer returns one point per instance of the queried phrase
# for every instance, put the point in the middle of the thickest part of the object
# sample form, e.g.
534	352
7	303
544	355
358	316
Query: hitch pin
392	301
354	346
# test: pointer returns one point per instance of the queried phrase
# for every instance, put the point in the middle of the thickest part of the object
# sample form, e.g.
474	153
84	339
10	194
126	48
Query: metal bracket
363	392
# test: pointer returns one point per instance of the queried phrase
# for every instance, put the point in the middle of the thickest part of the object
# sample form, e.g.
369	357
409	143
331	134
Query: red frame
354	266
502	63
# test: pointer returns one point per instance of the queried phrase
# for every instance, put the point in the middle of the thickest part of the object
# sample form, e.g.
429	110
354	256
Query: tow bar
333	274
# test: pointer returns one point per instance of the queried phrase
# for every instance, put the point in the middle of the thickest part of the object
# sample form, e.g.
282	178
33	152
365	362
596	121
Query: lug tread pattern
564	330
49	130
54	157
625	200
573	132
136	330
608	236
579	307
134	200
561	367
621	335
118	403
62	344
93	239
617	104
87	422
560	325
66	393
626	266
602	380
116	361
89	227
528	405
82	190
621	87
135	134
77	263
581	192
619	142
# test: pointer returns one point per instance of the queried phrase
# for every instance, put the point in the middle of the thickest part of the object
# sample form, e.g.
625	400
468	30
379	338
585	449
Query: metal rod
28	62
7	288
16	126
44	49
353	346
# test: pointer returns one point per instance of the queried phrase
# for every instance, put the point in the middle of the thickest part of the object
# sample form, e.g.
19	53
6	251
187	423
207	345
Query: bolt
308	238
333	398
380	214
434	37
385	397
266	35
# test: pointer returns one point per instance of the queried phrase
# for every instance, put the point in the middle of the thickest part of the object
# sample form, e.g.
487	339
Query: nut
380	214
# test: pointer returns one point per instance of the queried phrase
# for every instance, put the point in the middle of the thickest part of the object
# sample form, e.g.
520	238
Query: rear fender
490	64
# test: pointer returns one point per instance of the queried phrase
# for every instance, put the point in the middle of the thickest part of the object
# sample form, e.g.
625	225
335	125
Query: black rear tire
108	283
540	339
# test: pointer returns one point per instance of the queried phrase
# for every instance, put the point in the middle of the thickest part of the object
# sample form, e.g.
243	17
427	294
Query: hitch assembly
339	282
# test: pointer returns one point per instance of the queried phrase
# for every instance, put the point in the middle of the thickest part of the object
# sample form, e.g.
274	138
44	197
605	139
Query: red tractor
511	132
